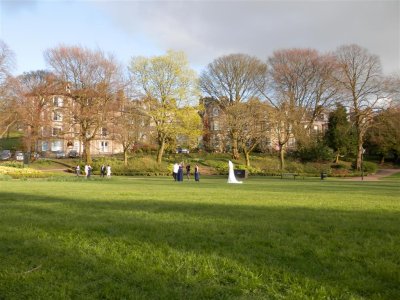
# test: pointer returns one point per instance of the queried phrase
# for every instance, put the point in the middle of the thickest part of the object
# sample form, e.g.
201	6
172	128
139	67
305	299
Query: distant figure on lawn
188	171
78	170
175	171
232	178
196	173
87	170
103	170
90	169
180	172
108	171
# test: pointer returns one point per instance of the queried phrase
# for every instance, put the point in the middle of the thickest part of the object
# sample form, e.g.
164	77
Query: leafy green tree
340	134
384	136
169	88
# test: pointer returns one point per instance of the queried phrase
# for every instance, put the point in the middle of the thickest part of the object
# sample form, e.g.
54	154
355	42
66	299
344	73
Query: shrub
368	167
315	152
18	173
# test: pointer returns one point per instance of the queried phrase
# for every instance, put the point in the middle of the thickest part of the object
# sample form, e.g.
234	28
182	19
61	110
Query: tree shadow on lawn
347	251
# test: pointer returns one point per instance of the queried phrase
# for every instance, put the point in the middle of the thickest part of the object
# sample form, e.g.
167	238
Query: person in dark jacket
188	171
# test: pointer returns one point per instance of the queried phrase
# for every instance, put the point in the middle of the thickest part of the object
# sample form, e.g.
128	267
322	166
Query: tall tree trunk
282	157
86	151
247	157
125	157
359	152
235	146
160	151
337	157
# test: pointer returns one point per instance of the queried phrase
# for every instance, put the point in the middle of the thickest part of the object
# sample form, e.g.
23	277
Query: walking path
378	175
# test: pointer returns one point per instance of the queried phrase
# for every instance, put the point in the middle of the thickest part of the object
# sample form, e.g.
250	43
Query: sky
204	30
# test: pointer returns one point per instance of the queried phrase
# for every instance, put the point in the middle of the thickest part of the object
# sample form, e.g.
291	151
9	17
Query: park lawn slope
152	238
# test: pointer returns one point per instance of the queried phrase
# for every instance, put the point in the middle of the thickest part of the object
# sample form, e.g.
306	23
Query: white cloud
208	29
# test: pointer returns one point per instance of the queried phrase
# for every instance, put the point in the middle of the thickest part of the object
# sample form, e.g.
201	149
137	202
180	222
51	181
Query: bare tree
91	80
248	120
300	85
233	79
7	95
130	125
363	89
35	90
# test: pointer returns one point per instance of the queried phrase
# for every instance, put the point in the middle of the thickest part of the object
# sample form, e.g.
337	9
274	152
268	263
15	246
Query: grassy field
152	238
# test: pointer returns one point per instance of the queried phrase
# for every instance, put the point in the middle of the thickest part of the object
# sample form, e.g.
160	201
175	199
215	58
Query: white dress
108	171
232	178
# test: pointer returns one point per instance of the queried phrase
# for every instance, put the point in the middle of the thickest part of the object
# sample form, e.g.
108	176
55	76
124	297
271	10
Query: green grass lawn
152	238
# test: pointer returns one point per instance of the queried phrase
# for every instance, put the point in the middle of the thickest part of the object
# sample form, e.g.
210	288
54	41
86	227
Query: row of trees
281	97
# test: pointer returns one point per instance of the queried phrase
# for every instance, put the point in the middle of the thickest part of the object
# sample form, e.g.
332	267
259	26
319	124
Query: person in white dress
86	170
108	171
232	178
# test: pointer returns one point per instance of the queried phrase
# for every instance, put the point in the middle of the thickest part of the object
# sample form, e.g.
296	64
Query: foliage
168	87
140	165
11	143
340	135
13	164
383	138
18	173
317	151
367	167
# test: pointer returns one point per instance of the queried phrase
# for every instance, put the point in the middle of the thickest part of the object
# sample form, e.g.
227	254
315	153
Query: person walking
78	170
102	170
108	171
180	172
175	171
196	173
188	171
90	169
87	170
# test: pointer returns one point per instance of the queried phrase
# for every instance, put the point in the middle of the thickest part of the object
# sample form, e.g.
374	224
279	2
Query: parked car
73	154
60	154
5	155
19	155
182	150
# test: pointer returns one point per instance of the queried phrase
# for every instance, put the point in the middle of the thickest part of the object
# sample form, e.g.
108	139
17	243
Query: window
56	131
57	116
56	146
103	146
215	112
57	101
104	131
45	146
291	142
215	125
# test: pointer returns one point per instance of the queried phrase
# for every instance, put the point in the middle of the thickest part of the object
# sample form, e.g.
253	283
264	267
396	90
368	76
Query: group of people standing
104	171
178	170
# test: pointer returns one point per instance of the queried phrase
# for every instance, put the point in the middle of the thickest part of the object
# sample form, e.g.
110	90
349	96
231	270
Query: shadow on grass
283	248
